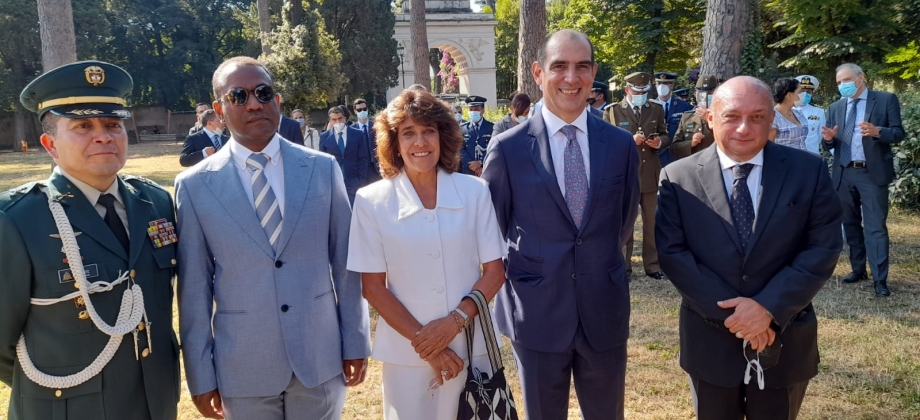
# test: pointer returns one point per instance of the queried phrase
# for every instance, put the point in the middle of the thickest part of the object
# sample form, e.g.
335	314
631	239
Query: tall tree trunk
265	25
531	35
654	43
59	46
419	30
727	22
296	12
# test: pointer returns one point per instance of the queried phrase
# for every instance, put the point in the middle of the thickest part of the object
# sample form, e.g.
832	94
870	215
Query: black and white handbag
484	397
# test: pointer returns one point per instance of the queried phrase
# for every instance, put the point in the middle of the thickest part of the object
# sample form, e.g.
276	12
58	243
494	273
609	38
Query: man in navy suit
349	146
205	141
367	127
673	109
865	123
476	135
289	129
566	192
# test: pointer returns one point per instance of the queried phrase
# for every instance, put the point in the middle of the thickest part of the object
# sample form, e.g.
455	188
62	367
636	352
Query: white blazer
432	257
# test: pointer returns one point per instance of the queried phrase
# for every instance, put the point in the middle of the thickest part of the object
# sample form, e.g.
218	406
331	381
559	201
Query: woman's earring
398	154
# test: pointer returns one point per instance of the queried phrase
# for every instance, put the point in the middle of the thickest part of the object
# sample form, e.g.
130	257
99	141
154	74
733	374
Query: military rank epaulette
147	181
13	195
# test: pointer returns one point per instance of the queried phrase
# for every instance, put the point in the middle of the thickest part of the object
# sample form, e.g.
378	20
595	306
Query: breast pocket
525	269
613	182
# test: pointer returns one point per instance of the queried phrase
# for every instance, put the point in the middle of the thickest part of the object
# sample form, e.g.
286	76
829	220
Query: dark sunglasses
240	96
360	109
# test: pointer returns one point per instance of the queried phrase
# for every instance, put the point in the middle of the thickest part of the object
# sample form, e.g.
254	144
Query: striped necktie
267	208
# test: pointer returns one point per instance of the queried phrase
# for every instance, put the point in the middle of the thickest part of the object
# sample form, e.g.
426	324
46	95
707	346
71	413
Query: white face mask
302	121
458	116
801	99
663	90
338	127
218	131
521	118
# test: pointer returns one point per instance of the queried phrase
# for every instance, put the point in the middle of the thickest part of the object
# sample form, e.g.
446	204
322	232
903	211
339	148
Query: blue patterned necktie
742	205
846	139
267	208
217	142
341	142
576	178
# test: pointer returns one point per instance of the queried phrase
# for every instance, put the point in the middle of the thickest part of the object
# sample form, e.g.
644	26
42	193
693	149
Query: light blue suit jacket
298	311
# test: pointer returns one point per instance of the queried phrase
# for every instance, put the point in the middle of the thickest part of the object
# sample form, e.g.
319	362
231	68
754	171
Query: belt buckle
859	164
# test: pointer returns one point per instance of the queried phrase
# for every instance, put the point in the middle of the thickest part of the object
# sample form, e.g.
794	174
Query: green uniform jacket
32	266
689	125
653	120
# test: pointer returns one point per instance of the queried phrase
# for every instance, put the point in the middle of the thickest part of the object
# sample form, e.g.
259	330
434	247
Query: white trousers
406	395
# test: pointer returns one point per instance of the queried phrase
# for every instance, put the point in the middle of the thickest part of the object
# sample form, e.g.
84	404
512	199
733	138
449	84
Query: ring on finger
445	372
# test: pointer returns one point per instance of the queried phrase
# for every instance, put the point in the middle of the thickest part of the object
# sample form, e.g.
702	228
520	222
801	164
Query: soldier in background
673	108
597	102
81	356
693	132
476	135
646	121
816	117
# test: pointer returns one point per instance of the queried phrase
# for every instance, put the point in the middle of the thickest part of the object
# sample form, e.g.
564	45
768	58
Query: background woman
419	238
520	107
310	135
790	128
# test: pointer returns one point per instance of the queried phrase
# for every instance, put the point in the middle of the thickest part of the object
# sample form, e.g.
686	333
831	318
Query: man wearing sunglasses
265	228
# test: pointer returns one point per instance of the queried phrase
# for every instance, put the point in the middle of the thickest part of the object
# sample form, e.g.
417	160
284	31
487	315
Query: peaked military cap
682	93
599	86
475	101
639	81
808	82
84	89
663	76
707	82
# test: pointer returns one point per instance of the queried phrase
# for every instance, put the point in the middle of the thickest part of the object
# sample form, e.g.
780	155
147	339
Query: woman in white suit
423	238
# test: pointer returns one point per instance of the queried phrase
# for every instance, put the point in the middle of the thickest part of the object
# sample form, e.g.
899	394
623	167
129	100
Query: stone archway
470	39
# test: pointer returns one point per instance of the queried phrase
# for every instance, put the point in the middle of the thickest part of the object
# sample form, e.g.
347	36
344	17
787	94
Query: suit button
643	160
745	278
574	277
173	261
578	241
439	289
145	353
58	393
436	254
284	308
278	264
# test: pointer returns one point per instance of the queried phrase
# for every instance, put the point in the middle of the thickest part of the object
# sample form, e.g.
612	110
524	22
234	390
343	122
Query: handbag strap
488	332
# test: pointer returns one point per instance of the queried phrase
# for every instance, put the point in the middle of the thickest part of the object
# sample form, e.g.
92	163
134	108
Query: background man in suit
565	189
366	126
200	109
598	99
748	232
673	109
646	122
349	147
865	125
264	227
693	133
458	113
289	128
81	107
205	142
476	135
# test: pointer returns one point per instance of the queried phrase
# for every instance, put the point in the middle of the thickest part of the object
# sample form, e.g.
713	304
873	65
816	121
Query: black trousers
746	401
865	215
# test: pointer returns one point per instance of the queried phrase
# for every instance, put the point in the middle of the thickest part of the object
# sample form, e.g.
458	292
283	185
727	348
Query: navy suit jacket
194	145
882	110
355	160
290	130
560	276
790	255
676	109
373	164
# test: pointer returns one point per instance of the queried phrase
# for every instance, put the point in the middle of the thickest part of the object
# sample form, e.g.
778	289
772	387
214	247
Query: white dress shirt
558	142
274	171
856	144
816	118
92	194
211	135
431	257
335	137
753	180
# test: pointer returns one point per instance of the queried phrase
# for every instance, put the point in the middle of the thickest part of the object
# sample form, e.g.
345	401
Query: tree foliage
507	13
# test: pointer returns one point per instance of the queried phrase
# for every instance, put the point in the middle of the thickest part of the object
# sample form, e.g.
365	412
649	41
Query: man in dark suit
598	99
205	142
646	122
289	129
349	146
565	189
865	125
200	109
748	232
476	135
366	126
75	248
673	110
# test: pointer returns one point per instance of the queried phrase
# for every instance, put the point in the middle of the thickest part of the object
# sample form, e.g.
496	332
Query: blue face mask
639	100
804	99
847	89
521	118
362	115
475	116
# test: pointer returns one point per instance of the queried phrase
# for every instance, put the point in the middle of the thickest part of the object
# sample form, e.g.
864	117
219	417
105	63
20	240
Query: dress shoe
657	275
855	277
881	289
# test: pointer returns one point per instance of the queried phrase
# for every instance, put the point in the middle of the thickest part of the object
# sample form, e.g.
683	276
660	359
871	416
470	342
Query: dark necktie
341	142
475	133
742	205
846	138
111	218
638	112
364	127
667	108
217	143
576	178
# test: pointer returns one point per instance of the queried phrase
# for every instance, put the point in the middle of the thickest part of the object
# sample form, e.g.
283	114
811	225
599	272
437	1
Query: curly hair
423	108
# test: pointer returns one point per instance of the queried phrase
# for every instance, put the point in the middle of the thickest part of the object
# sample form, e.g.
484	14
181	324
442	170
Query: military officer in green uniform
646	121
693	132
87	258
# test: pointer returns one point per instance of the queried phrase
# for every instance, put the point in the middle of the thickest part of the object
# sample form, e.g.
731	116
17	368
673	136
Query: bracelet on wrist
466	318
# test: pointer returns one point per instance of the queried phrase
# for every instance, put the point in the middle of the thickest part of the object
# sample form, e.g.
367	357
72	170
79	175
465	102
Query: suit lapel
597	154
298	176
710	176
771	184
870	105
332	145
543	162
224	183
138	211
83	216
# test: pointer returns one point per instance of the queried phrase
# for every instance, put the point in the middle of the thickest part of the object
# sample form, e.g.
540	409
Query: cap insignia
95	75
